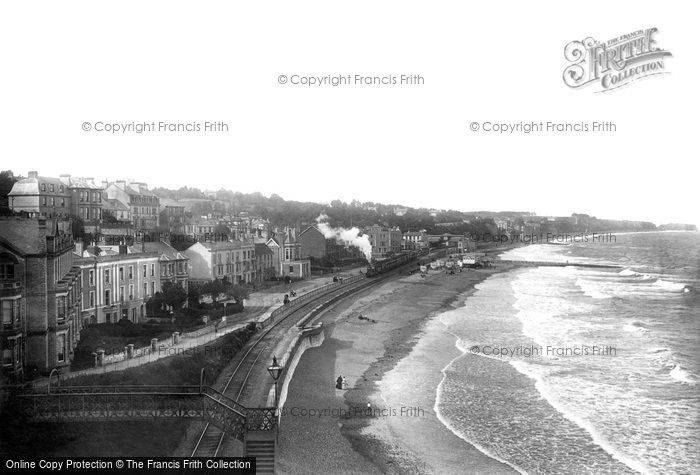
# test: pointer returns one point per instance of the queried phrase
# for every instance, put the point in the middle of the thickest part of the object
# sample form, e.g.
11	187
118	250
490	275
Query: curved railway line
212	438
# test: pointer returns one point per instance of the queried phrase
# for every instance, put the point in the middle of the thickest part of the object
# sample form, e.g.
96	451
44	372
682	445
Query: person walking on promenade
339	382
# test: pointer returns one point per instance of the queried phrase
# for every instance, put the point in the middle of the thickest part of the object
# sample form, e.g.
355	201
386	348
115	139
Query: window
61	348
60	189
43	200
131	272
63	202
145	289
144	270
121	274
91	278
107	297
291	269
7	270
43	187
7	357
121	293
92	299
153	270
106	276
61	309
153	288
10	311
131	291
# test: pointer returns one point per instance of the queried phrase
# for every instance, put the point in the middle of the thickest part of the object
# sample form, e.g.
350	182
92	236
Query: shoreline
389	439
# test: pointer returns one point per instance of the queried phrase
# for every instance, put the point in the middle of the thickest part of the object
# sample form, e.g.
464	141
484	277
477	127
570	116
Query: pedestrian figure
345	383
339	383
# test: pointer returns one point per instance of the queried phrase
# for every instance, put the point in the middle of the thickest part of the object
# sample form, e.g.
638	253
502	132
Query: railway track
212	439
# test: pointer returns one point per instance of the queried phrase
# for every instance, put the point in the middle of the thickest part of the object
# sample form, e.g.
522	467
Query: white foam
454	430
681	375
541	387
591	289
635	327
671	286
627	272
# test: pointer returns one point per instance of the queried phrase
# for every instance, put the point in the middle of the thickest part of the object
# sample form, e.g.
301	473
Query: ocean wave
541	386
636	326
671	286
681	375
446	422
627	273
592	290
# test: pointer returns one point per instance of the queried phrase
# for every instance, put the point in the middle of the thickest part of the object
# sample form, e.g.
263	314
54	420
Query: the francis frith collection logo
615	63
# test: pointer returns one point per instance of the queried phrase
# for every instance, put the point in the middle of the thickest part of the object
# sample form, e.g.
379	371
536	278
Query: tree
154	306
108	217
237	292
194	294
214	288
7	181
222	231
173	295
78	227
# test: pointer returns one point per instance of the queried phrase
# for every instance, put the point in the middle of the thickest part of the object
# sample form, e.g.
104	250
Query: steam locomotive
380	267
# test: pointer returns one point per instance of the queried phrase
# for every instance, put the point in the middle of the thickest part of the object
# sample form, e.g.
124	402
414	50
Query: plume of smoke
346	236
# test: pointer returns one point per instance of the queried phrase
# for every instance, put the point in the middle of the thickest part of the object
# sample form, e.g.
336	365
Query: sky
65	65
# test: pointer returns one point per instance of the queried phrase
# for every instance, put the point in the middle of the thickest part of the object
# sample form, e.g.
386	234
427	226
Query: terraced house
230	260
174	265
117	282
40	290
142	203
57	197
40	196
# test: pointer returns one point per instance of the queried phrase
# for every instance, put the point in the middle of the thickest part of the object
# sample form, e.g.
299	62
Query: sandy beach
326	430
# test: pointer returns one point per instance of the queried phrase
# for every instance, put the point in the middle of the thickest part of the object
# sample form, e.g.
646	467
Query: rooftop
27	235
262	249
166	251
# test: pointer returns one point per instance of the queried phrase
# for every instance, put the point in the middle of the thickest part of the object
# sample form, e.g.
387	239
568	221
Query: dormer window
43	187
7	266
51	188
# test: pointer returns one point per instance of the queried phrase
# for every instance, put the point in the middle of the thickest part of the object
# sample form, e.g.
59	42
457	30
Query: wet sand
326	430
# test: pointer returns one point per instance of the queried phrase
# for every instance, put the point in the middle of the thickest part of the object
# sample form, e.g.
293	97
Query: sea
581	369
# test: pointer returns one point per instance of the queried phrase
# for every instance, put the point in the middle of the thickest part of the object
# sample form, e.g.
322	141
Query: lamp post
275	371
